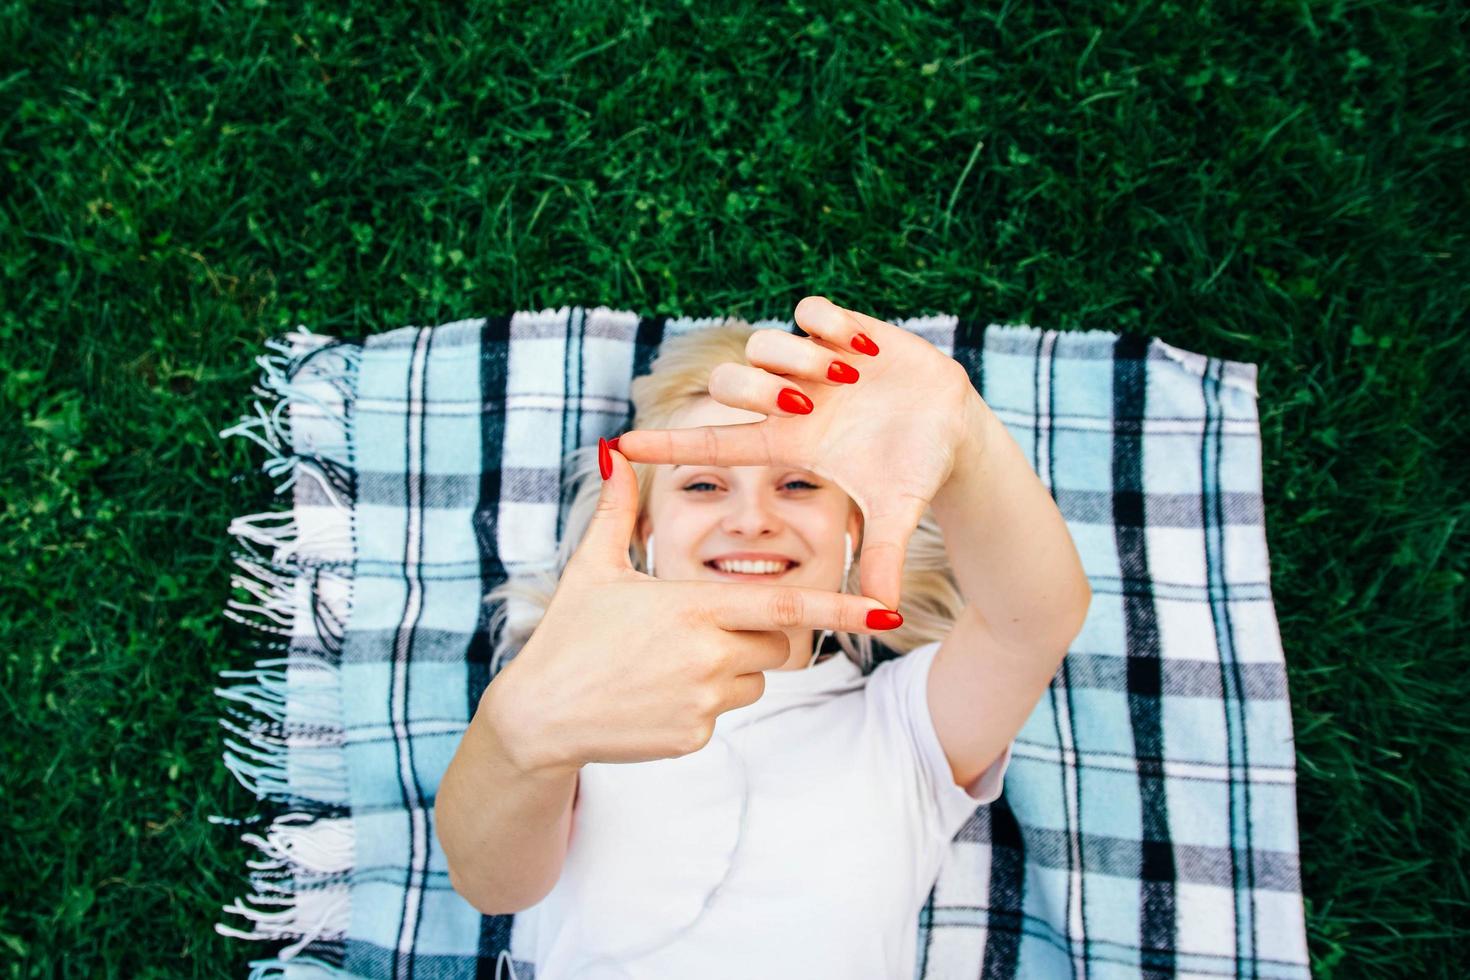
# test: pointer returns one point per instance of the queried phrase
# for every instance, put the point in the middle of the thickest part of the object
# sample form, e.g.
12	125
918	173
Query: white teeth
753	567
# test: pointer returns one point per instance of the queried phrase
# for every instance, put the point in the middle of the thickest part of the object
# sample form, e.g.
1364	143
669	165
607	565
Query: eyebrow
711	466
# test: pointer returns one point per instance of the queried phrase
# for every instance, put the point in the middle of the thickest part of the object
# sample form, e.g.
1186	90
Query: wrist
517	733
969	451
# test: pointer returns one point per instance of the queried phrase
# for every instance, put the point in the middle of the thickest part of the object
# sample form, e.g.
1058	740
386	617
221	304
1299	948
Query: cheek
681	530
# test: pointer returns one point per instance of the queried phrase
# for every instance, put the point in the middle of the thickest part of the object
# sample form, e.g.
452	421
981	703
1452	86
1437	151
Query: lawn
1268	182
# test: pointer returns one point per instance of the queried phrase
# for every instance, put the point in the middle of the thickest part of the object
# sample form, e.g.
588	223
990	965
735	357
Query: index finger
708	445
741	606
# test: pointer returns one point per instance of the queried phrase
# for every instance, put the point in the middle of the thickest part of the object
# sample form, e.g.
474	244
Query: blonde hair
930	600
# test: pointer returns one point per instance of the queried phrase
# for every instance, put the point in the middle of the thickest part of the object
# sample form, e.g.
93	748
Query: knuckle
769	347
786	608
691	605
698	737
754	344
607	506
767	446
719	662
722	374
711	446
709	703
960	374
699	611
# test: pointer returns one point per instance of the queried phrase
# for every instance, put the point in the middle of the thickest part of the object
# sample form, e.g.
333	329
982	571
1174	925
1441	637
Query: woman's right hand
625	667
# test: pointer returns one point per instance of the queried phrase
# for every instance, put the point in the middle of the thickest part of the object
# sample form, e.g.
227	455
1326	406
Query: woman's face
699	513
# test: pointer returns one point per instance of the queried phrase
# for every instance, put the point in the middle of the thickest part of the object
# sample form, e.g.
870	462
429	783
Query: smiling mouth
751	576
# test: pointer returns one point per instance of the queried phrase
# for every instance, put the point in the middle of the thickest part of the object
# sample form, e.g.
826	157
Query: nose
751	516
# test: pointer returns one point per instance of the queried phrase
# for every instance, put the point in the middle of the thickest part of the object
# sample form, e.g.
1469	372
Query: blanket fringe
286	738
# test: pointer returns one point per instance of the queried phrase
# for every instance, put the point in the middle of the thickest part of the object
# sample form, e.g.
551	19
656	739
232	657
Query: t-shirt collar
837	673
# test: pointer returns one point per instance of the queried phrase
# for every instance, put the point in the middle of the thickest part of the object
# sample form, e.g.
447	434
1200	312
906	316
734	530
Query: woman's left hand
890	439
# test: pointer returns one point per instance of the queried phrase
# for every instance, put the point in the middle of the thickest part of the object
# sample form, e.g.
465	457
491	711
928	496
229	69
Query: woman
667	778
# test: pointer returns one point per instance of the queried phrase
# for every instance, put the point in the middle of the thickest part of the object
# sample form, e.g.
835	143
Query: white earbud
648	553
841	587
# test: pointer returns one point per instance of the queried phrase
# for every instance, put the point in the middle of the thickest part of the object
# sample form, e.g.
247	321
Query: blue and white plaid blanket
1148	825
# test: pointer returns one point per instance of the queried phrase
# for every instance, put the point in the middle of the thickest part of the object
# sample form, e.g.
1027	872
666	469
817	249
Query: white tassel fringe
286	713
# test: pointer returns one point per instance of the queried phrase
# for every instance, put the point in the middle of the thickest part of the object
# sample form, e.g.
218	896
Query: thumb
605	543
885	545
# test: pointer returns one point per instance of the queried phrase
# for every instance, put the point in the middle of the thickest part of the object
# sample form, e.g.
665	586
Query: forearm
504	828
1012	553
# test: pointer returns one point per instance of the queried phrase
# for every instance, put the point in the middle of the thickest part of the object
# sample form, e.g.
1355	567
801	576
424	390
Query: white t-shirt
850	812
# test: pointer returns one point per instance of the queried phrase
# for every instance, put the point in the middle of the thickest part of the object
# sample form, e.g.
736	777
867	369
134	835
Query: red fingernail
884	619
845	373
864	345
792	400
613	442
604	458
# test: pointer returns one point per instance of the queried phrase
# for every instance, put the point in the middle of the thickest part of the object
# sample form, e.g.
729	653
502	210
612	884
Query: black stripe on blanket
416	397
495	930
1157	908
494	374
1005	921
494	379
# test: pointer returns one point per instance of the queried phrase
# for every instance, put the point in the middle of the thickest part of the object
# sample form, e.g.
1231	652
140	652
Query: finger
823	343
780	352
758	650
885	545
743	386
605	542
786	607
748	687
872	325
746	444
821	317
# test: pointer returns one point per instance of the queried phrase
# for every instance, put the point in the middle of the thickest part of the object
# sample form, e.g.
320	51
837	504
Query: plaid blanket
1148	825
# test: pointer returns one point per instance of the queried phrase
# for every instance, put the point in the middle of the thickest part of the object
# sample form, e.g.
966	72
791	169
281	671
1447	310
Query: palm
889	441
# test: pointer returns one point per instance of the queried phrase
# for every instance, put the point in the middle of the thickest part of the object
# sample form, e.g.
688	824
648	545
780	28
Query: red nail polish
845	373
864	344
604	458
613	442
792	400
884	619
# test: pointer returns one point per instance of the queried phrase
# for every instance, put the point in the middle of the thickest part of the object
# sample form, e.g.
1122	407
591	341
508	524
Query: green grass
1283	183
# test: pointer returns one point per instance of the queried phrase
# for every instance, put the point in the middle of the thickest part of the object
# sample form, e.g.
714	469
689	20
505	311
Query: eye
706	483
